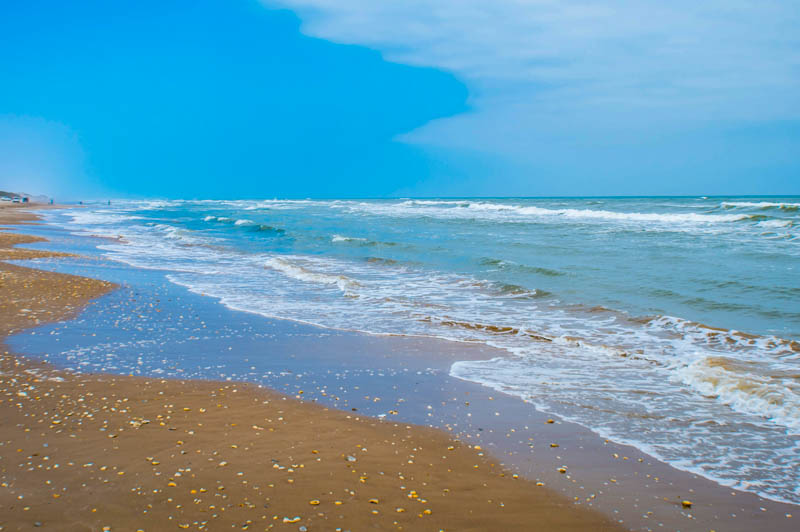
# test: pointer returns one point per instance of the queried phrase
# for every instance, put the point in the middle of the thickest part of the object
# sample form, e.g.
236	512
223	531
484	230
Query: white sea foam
279	204
620	377
100	217
776	223
746	387
301	273
669	218
340	238
760	205
724	339
514	212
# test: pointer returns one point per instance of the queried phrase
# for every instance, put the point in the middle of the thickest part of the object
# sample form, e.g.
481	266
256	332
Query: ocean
671	324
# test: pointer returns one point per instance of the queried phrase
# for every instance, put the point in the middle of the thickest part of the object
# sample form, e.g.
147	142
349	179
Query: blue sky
298	98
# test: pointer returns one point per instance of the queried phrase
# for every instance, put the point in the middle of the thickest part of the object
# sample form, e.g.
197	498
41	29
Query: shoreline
86	450
628	484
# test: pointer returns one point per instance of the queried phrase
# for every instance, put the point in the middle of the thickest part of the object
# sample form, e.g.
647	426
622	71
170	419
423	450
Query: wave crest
744	388
246	224
763	205
347	285
340	238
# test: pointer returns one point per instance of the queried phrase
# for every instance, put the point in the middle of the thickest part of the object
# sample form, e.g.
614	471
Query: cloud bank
545	75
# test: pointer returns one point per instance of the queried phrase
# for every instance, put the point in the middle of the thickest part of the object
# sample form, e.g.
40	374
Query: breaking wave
301	273
502	264
246	224
746	388
763	205
570	344
466	209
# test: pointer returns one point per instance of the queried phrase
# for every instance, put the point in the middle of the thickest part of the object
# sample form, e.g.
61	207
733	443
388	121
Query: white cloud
544	69
611	51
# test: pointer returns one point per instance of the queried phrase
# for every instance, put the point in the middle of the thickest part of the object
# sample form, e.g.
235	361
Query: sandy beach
103	452
419	265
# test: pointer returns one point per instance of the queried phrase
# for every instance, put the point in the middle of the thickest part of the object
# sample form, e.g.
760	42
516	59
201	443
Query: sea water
672	324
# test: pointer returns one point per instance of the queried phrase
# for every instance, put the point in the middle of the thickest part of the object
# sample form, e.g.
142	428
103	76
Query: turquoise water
668	323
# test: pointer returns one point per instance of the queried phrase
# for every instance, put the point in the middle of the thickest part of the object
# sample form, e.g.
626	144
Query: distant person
51	201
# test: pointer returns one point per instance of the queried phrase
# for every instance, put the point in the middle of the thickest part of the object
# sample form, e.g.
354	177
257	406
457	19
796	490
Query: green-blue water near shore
667	323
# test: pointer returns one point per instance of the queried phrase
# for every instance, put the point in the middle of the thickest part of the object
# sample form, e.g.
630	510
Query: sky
368	98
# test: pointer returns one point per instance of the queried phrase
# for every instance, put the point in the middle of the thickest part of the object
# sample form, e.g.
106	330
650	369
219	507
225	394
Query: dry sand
86	452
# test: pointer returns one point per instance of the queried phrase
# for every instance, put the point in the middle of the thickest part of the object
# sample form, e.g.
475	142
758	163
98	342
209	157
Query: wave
766	387
487	328
249	225
755	218
513	212
340	238
381	260
760	205
716	337
517	291
223	219
776	223
611	215
511	265
291	269
565	359
501	374
358	241
739	385
436	202
261	228
100	217
284	204
184	237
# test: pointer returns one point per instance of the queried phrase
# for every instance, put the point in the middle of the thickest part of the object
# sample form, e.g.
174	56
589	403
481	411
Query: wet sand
97	451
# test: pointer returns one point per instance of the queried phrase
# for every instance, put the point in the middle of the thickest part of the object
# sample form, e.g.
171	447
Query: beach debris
686	504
